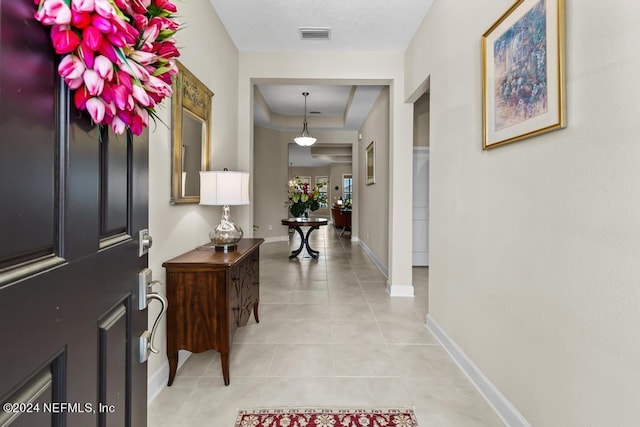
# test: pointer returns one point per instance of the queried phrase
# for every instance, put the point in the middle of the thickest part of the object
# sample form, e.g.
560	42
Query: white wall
535	246
421	121
319	68
208	53
270	177
373	200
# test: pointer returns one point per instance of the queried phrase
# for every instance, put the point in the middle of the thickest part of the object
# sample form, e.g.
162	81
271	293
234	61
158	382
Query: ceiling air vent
315	33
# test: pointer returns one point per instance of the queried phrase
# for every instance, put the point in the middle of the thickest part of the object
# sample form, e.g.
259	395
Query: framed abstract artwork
370	163
523	82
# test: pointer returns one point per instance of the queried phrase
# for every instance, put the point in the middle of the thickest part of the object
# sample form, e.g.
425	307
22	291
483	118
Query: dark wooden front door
71	208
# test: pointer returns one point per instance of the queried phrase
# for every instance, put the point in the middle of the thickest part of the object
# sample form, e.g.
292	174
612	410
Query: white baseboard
500	404
392	290
400	290
276	239
158	381
374	258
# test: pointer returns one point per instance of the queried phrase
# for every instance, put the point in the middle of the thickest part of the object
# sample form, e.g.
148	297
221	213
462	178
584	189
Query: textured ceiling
356	25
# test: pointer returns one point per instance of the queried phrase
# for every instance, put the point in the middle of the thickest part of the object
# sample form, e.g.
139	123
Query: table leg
255	312
312	252
302	242
173	366
224	358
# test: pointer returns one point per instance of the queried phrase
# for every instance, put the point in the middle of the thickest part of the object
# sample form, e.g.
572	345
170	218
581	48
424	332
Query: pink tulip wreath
119	56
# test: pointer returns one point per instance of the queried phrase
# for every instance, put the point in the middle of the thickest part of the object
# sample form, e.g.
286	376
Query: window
347	189
323	187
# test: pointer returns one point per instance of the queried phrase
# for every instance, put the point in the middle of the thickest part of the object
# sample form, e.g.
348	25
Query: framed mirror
190	124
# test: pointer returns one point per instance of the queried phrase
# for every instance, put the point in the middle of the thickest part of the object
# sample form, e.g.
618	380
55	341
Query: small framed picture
371	163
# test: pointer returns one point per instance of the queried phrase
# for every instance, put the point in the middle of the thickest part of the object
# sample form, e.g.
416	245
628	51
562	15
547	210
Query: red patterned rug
326	418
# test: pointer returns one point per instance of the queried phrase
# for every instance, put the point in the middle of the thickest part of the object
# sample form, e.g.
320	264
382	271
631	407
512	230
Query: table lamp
224	188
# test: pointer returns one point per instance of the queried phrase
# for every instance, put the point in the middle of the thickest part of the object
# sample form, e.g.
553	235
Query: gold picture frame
191	135
370	163
523	73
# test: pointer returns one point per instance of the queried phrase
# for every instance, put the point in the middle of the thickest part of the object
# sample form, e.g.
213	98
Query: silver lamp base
227	234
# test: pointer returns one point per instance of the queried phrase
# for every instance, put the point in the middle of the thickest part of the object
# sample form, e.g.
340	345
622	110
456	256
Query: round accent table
296	224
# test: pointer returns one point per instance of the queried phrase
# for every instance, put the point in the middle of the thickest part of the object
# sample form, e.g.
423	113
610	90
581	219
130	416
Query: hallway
329	336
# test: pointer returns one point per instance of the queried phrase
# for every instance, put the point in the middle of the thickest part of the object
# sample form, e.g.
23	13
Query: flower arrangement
303	197
119	56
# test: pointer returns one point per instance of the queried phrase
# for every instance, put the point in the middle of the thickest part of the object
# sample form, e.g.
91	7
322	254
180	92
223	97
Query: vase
299	210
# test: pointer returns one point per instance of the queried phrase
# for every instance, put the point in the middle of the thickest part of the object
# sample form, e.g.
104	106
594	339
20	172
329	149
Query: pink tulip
139	120
109	111
96	109
103	24
71	67
125	80
143	113
140	6
157	97
124	6
129	32
107	92
154	84
87	54
140	95
173	68
80	98
82	5
103	67
143	58
135	70
118	125
74	83
125	116
166	5
80	19
64	39
164	23
93	82
116	39
140	21
110	52
165	77
150	35
104	8
122	97
168	50
136	125
53	12
92	38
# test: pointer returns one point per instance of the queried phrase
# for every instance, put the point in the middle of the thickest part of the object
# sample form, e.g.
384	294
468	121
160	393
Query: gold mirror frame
190	109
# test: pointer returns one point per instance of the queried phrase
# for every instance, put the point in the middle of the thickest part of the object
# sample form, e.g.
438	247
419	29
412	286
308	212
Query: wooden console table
210	294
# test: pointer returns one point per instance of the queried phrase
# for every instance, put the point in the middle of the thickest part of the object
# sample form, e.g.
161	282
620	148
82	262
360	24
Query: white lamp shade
305	141
220	188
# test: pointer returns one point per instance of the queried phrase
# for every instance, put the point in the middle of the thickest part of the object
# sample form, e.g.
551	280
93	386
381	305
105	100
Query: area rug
326	418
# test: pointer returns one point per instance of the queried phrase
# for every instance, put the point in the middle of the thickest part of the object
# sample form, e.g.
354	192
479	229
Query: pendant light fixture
305	140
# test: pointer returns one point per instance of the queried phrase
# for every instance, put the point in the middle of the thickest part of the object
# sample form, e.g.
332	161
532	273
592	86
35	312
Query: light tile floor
329	336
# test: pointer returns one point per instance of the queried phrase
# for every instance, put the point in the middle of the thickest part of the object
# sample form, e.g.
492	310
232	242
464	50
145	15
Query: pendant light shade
305	140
